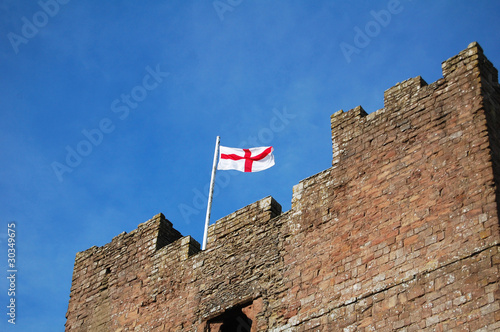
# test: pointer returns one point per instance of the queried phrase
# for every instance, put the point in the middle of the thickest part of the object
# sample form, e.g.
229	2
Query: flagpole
210	193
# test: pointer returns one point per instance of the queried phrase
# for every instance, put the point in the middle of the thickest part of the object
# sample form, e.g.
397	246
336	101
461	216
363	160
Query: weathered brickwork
401	233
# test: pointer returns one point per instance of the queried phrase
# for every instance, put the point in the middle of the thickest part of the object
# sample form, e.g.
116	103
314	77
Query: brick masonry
401	233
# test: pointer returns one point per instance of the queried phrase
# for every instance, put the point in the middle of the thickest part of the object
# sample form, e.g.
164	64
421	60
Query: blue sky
110	111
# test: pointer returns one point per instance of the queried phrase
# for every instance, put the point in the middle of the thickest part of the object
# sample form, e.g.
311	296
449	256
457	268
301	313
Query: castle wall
402	232
411	191
102	276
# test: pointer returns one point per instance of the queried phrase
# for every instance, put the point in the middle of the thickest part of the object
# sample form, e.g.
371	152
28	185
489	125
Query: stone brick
401	233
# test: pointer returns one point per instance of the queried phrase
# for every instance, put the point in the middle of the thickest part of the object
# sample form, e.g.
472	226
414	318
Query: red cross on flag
246	160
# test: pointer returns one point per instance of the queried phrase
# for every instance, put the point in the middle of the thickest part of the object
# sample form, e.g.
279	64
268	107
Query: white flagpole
210	193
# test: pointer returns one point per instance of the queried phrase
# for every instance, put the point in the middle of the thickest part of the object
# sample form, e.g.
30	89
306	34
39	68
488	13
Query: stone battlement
402	232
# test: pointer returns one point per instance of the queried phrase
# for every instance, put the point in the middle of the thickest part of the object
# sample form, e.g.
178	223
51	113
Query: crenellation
166	233
460	61
404	93
401	233
179	250
344	127
255	213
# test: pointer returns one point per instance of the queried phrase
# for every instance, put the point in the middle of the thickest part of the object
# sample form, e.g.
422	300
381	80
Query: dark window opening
233	320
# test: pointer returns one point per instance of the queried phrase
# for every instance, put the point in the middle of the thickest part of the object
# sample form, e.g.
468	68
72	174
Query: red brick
401	233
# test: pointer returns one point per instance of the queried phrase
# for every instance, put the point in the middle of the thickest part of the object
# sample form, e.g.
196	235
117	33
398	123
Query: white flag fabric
246	160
